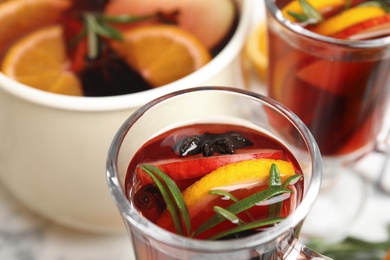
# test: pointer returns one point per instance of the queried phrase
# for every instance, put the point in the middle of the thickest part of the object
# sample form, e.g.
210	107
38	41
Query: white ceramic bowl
53	147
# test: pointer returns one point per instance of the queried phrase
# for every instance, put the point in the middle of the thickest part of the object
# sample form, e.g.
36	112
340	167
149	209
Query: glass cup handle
302	252
383	148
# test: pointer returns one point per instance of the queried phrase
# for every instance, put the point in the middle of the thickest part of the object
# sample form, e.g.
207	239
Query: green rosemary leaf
275	181
312	14
384	5
372	3
246	226
274	177
96	26
124	18
230	196
175	192
352	248
348	4
291	180
110	32
78	37
298	16
92	41
228	215
275	209
223	193
168	198
241	206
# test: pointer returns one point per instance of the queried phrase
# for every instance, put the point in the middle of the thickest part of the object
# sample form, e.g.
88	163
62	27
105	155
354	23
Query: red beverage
189	166
339	92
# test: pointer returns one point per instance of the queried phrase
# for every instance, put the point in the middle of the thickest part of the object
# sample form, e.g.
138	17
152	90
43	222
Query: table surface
26	236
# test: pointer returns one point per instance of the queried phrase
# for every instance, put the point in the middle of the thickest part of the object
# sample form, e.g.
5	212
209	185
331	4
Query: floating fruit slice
39	60
348	18
182	169
228	177
18	17
323	6
255	49
210	21
162	53
249	171
368	29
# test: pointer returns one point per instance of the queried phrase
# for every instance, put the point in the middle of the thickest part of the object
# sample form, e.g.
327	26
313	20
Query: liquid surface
160	151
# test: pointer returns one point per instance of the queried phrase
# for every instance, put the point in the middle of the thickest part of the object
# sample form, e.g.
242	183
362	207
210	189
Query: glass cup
212	104
340	90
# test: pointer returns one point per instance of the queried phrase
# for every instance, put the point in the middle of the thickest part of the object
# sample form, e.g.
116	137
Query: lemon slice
250	171
320	5
348	18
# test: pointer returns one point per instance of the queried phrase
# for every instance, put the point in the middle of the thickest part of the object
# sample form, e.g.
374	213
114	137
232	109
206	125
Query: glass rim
164	236
278	15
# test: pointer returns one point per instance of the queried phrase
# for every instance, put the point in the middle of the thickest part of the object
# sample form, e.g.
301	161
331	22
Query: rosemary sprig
172	197
241	206
352	248
228	195
223	193
310	14
378	3
228	215
348	4
275	181
247	226
179	212
291	180
97	26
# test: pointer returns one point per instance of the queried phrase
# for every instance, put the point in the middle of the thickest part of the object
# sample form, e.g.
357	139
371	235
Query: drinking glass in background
212	106
340	90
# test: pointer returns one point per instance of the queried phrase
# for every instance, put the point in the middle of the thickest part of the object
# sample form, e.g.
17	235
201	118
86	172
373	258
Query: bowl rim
135	100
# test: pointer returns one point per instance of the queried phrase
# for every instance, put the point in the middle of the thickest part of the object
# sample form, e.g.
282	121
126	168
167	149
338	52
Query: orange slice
162	53
249	171
348	18
39	60
321	5
256	50
18	17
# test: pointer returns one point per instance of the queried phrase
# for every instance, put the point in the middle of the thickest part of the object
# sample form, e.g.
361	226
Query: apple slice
210	21
369	29
182	169
348	18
